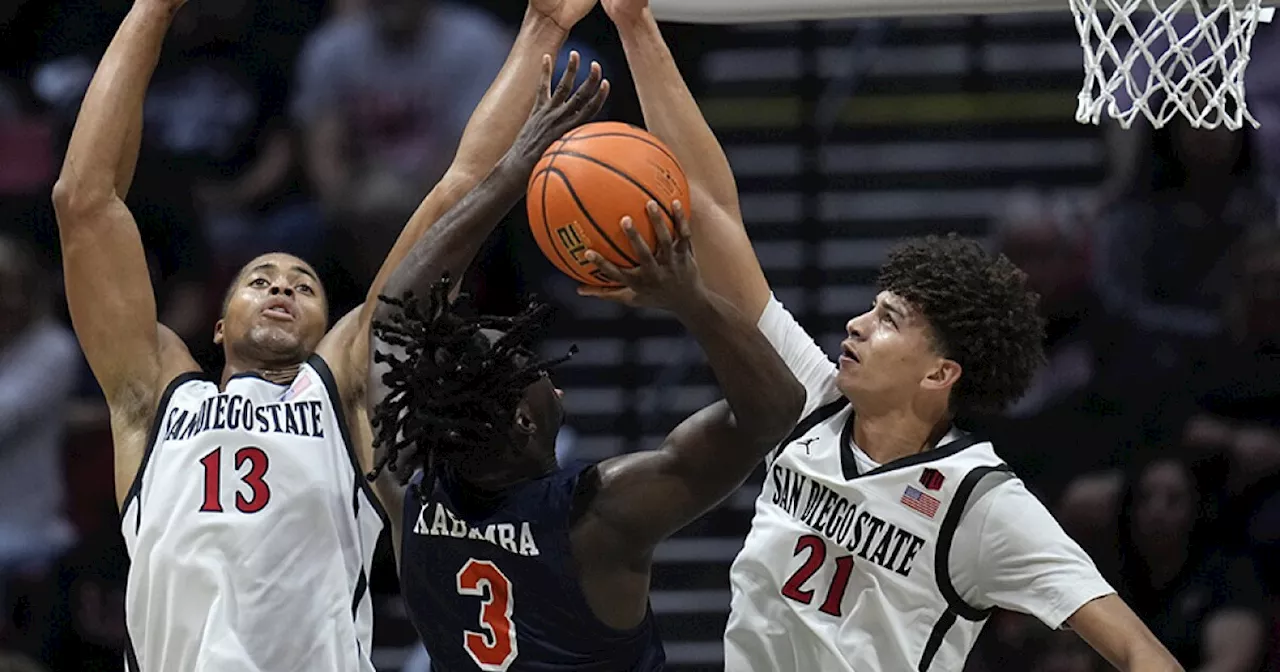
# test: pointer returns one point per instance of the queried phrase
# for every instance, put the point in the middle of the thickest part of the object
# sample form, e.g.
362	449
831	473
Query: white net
1160	59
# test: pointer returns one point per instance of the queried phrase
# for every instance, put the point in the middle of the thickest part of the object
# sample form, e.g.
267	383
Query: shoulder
337	355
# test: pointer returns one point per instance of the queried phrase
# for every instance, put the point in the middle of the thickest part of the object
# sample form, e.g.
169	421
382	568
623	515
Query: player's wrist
635	24
543	28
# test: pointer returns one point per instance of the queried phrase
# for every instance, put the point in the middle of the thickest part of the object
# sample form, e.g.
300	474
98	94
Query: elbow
779	414
790	406
73	200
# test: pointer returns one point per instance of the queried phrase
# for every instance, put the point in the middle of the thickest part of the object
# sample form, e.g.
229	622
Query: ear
943	375
524	424
217	332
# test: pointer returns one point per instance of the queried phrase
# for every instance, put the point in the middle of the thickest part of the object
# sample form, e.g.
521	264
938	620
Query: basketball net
1150	58
1184	58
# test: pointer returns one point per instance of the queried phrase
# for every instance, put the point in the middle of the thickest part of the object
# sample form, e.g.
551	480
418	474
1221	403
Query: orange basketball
587	182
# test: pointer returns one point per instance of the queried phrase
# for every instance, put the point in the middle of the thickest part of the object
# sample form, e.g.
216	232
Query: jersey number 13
259	491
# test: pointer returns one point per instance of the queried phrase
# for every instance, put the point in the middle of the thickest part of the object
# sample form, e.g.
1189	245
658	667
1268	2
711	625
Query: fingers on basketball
587	182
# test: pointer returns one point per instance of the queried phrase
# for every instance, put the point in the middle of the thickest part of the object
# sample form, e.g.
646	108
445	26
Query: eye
306	289
258	282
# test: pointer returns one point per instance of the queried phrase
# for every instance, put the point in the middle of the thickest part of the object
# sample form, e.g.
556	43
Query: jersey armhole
153	437
585	488
973	488
362	484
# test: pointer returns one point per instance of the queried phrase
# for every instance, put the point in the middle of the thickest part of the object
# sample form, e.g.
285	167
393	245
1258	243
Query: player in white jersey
248	519
884	535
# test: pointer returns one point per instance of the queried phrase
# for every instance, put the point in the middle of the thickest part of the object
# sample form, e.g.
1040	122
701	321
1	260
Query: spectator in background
378	131
39	364
1092	355
1203	602
1163	244
1235	389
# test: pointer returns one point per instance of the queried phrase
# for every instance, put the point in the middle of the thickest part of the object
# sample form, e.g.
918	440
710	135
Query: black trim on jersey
956	606
850	465
939	633
130	658
809	422
135	488
335	397
362	586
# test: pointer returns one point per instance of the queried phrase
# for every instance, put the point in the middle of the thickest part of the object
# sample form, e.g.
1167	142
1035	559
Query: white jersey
855	566
251	531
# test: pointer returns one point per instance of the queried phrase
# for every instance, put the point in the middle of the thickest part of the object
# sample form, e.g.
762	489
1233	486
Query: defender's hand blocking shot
508	560
249	525
884	535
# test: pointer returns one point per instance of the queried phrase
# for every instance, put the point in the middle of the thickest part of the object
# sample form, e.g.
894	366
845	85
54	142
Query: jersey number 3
494	648
259	492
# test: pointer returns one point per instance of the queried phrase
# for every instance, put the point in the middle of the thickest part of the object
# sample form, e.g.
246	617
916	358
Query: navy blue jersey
491	584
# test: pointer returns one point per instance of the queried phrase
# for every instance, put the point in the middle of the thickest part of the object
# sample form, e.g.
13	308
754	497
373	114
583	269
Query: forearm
103	148
453	242
671	113
761	391
506	104
489	133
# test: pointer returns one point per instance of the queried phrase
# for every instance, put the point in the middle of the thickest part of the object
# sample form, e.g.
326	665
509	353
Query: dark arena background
1155	424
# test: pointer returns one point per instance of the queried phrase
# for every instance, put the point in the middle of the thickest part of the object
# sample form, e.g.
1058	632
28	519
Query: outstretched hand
666	277
560	111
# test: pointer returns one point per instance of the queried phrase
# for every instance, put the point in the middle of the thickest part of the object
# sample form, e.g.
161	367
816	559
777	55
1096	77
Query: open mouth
847	352
278	310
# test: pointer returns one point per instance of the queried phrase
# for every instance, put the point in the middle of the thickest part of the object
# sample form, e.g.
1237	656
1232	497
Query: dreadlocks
451	390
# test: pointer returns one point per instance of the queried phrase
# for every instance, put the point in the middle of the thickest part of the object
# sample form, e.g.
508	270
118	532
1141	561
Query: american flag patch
920	501
298	387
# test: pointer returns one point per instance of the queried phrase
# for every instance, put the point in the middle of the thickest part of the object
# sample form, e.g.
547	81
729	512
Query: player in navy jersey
509	561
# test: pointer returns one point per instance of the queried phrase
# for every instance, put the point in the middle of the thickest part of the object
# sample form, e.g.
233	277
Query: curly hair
981	312
451	390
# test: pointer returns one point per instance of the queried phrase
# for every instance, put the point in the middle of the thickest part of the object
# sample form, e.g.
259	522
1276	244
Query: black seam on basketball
670	217
546	223
646	141
583	208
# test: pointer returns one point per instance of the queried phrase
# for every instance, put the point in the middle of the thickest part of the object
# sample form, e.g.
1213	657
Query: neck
886	437
279	374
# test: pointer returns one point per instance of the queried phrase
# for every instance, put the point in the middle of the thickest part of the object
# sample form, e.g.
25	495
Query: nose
278	289
851	327
559	393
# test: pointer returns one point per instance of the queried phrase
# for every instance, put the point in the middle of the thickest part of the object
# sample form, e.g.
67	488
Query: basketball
587	182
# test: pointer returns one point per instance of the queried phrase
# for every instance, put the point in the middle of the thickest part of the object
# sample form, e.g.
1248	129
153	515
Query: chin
277	344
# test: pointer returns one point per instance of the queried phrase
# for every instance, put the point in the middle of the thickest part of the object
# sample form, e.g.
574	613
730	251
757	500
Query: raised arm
488	135
108	286
492	128
729	265
450	245
645	497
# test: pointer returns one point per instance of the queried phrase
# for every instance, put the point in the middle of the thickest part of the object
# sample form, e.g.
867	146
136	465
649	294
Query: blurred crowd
315	128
